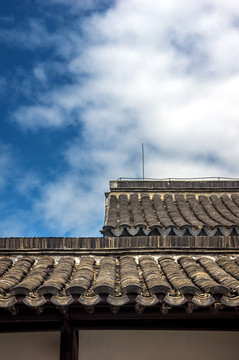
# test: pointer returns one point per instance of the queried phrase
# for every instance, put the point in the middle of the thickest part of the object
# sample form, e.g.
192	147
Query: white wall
152	345
30	346
124	345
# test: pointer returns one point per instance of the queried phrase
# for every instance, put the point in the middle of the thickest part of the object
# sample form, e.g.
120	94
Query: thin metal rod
143	159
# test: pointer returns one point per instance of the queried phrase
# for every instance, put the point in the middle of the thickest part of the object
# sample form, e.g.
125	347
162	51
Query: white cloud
34	34
162	72
28	182
77	4
6	163
6	19
14	225
35	117
67	208
3	83
40	73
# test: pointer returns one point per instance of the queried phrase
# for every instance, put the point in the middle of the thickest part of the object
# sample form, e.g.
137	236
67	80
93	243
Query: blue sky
83	83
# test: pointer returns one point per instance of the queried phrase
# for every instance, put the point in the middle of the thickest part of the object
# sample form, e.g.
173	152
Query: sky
84	83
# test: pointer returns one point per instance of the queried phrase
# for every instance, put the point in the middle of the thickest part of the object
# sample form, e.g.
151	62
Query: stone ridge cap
107	244
147	192
175	185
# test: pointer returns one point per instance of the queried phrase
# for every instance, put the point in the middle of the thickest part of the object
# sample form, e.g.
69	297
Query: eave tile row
144	280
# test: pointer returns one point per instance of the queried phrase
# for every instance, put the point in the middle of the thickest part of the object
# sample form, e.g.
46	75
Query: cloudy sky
84	83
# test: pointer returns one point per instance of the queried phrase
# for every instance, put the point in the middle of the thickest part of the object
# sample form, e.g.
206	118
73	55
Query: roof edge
177	185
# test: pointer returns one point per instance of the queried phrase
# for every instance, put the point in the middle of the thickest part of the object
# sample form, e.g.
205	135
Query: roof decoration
172	208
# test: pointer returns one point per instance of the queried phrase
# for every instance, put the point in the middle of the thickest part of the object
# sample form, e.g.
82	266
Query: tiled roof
162	281
172	208
175	246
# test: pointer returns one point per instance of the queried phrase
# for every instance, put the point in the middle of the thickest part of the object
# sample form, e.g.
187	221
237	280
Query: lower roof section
137	282
161	274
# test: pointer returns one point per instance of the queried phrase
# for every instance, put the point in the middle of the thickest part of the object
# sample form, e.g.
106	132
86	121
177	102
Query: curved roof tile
171	212
146	280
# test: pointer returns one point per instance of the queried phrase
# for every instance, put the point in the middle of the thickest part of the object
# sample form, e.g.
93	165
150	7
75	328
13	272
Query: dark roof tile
163	216
59	277
230	204
174	213
155	280
35	276
143	280
212	212
186	211
130	281
16	273
82	276
198	275
112	215
223	210
124	216
229	266
5	263
221	276
149	212
105	280
200	212
173	208
137	211
235	198
176	276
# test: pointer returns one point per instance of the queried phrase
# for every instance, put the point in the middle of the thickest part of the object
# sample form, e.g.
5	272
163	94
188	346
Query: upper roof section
172	208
